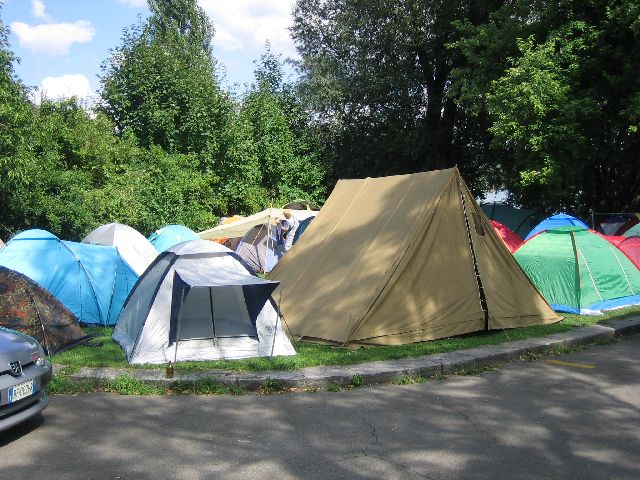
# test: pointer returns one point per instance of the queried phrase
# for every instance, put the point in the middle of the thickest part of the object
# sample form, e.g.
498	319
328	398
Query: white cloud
53	39
37	9
66	86
247	24
134	3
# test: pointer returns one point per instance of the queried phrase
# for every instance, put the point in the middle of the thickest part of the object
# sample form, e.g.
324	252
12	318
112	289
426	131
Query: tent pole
213	324
44	332
175	355
275	331
575	254
266	251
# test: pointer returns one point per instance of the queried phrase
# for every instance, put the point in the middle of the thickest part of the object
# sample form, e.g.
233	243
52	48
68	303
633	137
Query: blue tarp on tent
92	281
556	221
170	235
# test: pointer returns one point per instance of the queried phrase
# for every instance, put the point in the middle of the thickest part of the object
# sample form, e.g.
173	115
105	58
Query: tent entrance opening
208	313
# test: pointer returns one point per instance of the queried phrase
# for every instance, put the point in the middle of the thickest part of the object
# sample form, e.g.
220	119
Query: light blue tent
170	235
93	281
556	221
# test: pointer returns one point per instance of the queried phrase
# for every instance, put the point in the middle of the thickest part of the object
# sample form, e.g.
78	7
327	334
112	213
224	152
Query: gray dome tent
134	248
197	301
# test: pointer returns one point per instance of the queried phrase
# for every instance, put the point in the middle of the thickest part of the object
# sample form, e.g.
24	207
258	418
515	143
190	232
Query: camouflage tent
28	308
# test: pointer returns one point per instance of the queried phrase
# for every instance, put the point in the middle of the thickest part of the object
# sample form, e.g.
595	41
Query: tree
15	125
555	83
377	75
160	83
289	166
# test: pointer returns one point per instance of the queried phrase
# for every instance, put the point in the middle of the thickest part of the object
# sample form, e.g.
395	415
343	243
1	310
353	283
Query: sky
62	43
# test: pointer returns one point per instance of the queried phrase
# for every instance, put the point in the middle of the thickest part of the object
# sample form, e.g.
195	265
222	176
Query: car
25	371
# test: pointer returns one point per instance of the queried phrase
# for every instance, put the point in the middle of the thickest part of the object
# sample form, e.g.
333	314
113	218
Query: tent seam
623	270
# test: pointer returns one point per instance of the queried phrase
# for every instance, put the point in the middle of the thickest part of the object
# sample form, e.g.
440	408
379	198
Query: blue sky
61	43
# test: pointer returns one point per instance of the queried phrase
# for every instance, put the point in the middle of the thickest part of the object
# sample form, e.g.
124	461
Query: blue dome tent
170	235
557	221
92	281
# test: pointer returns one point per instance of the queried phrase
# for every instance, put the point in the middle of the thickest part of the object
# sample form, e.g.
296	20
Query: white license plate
22	390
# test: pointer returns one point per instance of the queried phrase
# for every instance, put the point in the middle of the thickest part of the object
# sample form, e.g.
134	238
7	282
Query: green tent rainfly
578	271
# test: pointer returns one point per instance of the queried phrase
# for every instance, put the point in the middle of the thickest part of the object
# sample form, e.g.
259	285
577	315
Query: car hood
16	346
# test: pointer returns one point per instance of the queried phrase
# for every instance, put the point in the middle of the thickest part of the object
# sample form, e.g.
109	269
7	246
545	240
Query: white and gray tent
133	247
197	301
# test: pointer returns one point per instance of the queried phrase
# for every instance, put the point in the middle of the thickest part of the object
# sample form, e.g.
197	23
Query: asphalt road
570	417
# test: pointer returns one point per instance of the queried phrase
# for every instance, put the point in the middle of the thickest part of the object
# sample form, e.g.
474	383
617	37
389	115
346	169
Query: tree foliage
160	83
167	146
555	83
78	175
289	166
377	75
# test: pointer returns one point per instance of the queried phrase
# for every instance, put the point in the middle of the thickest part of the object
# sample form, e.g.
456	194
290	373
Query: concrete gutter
382	371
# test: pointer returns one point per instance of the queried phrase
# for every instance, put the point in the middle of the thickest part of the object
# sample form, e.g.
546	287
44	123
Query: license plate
22	390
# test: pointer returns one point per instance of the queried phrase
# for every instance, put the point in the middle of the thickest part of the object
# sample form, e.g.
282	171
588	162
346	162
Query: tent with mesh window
197	301
28	308
403	259
578	271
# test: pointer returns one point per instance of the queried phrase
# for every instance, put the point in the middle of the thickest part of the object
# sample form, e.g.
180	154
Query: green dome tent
578	271
520	220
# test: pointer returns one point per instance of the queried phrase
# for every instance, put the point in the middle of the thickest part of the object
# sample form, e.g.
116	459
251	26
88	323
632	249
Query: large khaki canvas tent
403	259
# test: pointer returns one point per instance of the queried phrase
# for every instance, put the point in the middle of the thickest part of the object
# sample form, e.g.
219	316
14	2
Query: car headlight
38	357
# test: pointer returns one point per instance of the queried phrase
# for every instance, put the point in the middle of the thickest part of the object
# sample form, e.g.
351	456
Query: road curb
379	372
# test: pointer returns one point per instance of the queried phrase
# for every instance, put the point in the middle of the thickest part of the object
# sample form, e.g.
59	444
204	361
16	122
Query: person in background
289	226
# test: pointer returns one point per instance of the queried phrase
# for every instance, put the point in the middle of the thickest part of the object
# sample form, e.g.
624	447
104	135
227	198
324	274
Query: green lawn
106	353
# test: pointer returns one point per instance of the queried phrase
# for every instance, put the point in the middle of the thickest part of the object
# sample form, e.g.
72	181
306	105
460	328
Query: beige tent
389	261
243	225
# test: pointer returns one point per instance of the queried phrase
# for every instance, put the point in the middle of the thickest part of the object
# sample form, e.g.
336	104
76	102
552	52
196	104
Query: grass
103	352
